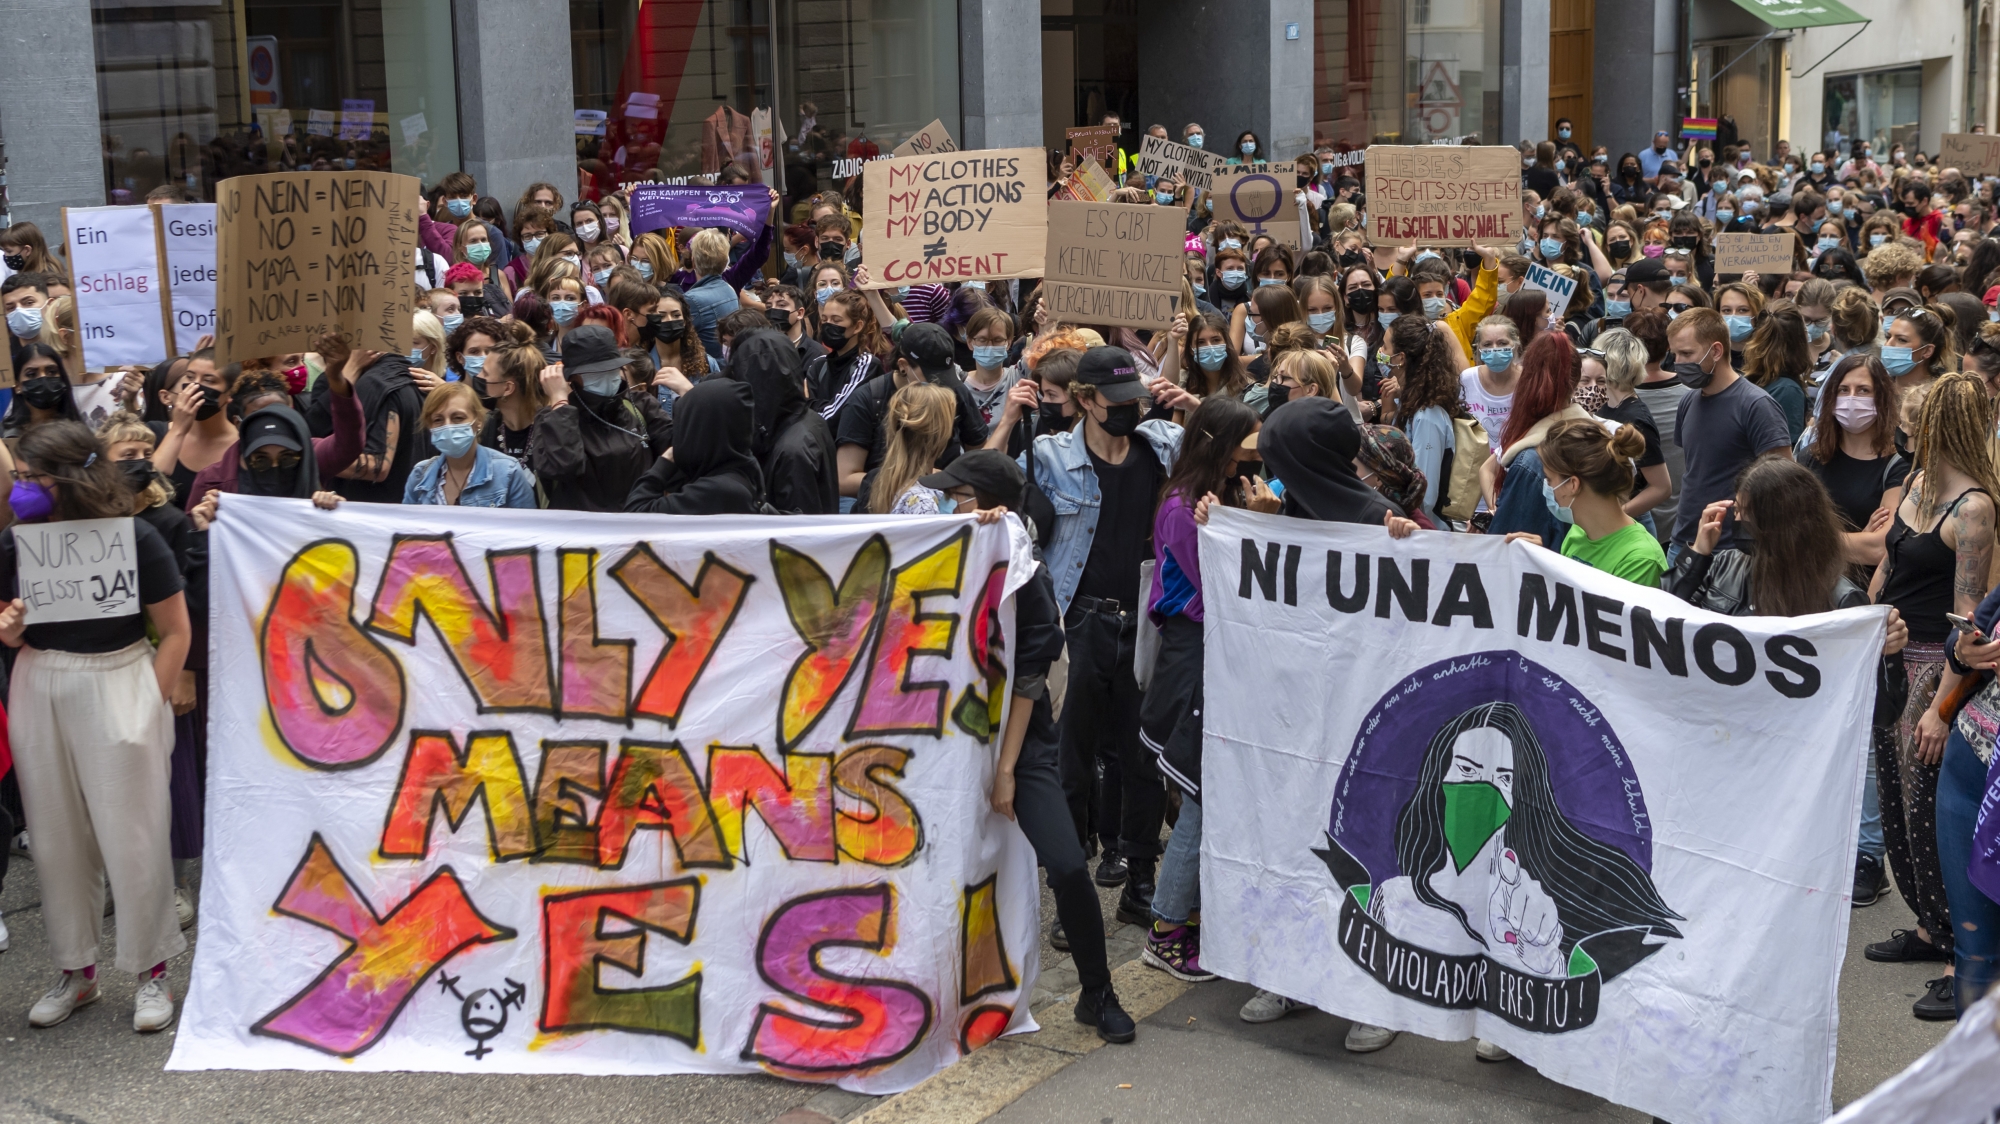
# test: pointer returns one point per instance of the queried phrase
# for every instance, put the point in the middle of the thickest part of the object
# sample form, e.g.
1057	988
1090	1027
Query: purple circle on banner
1589	770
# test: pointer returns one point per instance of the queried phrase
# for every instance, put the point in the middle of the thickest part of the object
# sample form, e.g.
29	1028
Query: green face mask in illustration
1473	812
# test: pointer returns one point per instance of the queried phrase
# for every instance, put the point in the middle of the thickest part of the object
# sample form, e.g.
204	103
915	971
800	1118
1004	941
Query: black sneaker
1099	1007
1867	880
1058	939
1904	945
1112	871
1936	1006
1135	905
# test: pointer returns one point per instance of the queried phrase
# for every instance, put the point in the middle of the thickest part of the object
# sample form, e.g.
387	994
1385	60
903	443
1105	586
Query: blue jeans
1974	916
1177	892
1871	815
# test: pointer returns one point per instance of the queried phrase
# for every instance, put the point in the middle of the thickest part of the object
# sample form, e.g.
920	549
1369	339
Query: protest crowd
1778	441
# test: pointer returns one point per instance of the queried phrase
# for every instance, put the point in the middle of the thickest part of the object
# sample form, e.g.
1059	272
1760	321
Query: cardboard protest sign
187	254
1114	263
1159	157
78	569
1765	253
1975	154
963	216
743	208
1464	787
1261	200
301	253
929	140
1442	196
563	792
1559	288
116	261
1097	144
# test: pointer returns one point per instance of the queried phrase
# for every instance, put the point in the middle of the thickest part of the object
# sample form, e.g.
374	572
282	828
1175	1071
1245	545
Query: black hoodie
791	442
712	472
302	482
386	390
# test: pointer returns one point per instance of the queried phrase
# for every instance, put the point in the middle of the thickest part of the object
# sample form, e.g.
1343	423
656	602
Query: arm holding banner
753	259
1485	289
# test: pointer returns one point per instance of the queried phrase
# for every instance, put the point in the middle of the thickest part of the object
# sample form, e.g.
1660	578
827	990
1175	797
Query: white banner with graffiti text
1474	788
554	792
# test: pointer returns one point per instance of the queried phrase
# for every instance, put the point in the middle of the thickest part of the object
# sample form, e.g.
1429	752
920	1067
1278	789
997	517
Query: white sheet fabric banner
187	235
1957	1082
116	262
608	794
1473	788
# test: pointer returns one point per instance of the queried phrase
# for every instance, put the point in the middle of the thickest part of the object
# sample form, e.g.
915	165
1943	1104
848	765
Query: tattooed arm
1969	532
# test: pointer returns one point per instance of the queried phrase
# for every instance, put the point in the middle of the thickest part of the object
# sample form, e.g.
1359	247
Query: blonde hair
440	398
542	281
58	320
710	252
1625	358
916	430
1955	427
1310	368
428	331
516	358
126	426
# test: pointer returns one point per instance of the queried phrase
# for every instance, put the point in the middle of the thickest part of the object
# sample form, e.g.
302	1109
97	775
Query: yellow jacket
1476	306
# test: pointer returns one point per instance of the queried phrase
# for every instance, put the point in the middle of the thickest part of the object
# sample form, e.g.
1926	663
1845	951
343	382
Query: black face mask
1361	302
1685	242
138	472
832	251
15	262
1618	249
472	304
780	318
1352	259
45	392
1277	395
1692	375
211	404
669	331
1050	419
1249	468
273	480
1304	180
1121	420
833	336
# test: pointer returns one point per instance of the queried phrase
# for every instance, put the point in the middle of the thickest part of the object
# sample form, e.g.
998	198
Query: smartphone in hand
1967	627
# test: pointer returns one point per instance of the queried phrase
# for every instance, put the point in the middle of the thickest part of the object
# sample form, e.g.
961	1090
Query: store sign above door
1788	14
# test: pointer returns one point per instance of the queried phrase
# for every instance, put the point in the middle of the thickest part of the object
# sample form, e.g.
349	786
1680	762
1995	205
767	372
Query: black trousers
1042	810
1101	710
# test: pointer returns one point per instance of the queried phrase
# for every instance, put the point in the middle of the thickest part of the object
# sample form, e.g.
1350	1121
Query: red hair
463	271
606	315
1548	383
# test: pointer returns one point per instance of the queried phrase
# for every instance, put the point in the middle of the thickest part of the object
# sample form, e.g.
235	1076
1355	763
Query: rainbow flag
1698	128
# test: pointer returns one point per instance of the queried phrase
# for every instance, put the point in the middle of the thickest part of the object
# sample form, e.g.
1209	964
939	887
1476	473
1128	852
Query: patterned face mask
1590	396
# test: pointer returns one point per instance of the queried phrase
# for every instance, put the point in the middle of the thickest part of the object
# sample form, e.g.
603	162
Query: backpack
1458	488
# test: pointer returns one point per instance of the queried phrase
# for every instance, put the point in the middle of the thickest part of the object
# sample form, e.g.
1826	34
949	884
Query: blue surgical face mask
823	295
416	357
451	321
604	385
1826	244
473	364
1322	322
565	311
24	322
1739	328
1424	255
1263	282
1163	198
1194	141
1899	360
531	245
1560	164
459	208
600	276
1815	331
1247	147
1435	307
1326	171
1386	318
1835	208
1818	166
1677	278
1211	357
989	358
791	260
452	440
1541	209
1230	244
1200	289
1876	239
1233	278
1497	359
1583	218
645	269
1549	497
1616	310
1551	248
1724	215
1562	134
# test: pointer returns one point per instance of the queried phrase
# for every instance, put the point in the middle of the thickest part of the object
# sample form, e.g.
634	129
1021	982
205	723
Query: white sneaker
153	1009
3	935
1490	1052
1363	1038
69	992
1267	1007
184	905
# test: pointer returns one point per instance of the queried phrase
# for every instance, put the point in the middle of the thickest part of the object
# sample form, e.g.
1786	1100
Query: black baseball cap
928	346
989	472
591	349
1647	271
1112	371
260	429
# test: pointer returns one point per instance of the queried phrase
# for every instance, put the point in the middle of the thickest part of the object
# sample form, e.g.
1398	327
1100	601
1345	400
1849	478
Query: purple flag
1984	869
741	207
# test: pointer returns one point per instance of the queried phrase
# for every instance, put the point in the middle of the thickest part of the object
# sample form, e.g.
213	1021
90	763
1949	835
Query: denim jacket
1064	473
497	480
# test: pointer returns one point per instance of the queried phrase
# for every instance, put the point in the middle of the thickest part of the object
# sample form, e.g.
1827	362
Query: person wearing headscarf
710	469
1389	465
1309	444
792	443
331	454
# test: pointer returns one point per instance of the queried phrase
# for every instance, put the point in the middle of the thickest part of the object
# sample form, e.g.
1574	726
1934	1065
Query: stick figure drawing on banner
483	1014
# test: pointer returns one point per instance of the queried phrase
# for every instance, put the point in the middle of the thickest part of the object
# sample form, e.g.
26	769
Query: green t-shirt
1631	552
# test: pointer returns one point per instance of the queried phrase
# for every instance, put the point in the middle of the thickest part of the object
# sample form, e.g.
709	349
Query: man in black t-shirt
922	355
393	443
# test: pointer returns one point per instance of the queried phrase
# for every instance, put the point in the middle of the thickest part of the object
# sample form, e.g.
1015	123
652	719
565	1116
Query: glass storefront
193	94
1741	80
1405	71
667	89
1882	107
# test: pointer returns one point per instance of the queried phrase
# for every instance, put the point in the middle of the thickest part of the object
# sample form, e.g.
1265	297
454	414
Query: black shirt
860	420
159	579
1124	536
1857	485
386	390
1634	412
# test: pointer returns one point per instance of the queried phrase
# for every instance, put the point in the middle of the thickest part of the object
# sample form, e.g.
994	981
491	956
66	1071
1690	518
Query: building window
192	94
666	90
1881	107
1405	71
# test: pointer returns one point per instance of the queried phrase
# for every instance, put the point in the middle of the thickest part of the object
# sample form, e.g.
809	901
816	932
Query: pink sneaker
1177	952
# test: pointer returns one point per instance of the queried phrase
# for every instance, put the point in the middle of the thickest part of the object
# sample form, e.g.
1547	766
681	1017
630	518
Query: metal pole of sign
1710	80
1835	51
777	104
